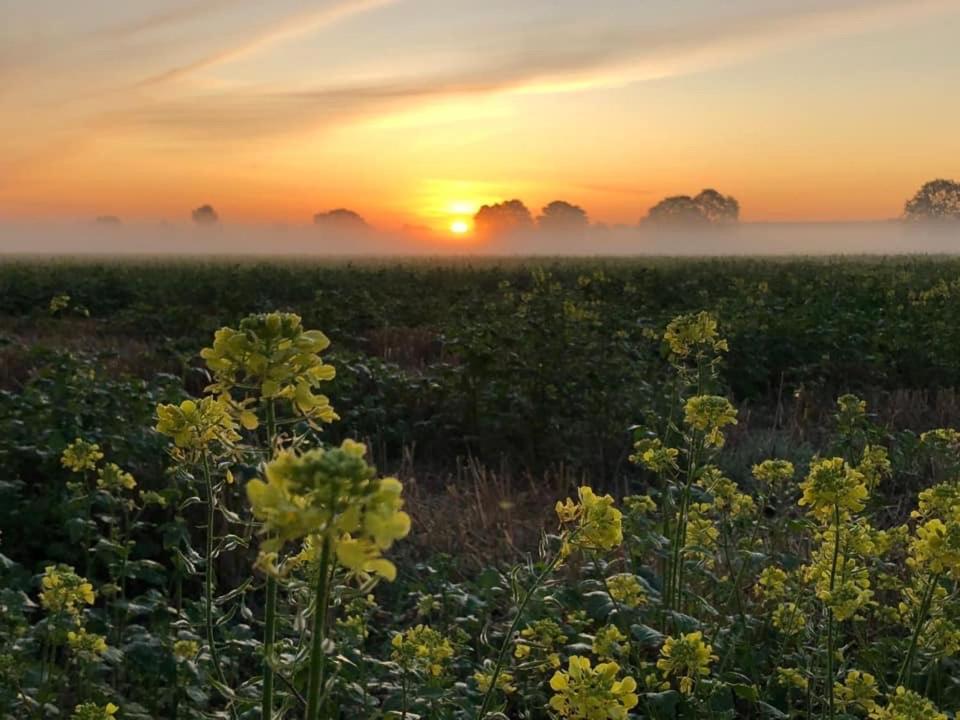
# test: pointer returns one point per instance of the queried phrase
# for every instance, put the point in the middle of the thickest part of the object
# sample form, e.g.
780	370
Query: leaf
746	692
646	636
662	705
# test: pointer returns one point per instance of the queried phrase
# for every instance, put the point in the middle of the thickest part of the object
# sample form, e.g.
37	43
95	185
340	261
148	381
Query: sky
415	112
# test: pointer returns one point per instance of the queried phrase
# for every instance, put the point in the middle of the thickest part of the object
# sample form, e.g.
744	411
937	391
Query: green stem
270	611
508	638
208	580
317	656
904	674
830	622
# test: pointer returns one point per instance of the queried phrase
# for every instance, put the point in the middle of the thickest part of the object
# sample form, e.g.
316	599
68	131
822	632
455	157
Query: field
623	488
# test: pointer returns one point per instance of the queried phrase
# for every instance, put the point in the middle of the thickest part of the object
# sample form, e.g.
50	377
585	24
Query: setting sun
459	227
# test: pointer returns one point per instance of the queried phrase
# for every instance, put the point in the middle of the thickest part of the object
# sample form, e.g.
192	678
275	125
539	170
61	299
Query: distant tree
936	200
107	220
205	215
709	207
563	217
718	208
504	217
340	219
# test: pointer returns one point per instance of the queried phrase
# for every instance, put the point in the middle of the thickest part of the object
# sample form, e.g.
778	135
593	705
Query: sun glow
459	227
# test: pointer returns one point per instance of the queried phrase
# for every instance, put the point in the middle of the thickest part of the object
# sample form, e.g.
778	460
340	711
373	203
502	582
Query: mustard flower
275	355
583	692
772	472
333	494
653	455
941	441
940	501
858	691
65	591
504	682
726	496
936	546
702	534
851	412
833	483
92	711
59	302
543	635
875	465
792	678
789	619
186	649
709	414
196	425
609	643
640	504
905	704
772	584
86	644
111	477
687	658
627	590
692	334
80	456
599	523
423	650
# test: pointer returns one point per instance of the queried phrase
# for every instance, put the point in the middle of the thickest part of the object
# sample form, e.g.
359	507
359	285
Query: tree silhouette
561	216
340	219
709	207
205	215
501	218
936	200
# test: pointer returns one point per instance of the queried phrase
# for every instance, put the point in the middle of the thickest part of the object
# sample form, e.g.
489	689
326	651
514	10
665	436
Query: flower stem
904	674
270	611
317	656
508	638
830	621
209	580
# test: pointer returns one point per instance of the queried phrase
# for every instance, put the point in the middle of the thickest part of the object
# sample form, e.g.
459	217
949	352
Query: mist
757	239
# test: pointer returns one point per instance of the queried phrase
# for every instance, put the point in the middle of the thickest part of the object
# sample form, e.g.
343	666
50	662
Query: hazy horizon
417	112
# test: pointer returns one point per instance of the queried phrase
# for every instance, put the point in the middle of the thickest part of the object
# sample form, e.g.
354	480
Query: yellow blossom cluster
86	643
63	591
709	414
832	484
112	478
906	704
653	455
626	589
423	650
688	335
598	522
92	711
583	692
773	472
80	456
335	495
195	425
686	658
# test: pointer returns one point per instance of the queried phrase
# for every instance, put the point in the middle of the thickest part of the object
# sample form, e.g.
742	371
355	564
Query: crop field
465	490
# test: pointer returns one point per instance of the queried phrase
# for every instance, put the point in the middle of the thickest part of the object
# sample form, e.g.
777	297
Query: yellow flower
504	682
333	494
687	658
195	425
771	584
859	690
791	677
654	456
772	472
609	643
186	649
599	522
693	334
112	477
274	354
59	302
80	456
626	589
85	643
851	412
936	546
709	414
423	650
875	465
640	504
92	711
521	651
831	482
64	590
907	705
788	619
941	500
585	693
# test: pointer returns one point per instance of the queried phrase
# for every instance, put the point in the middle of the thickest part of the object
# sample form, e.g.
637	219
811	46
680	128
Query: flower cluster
423	650
504	682
687	658
936	546
709	414
543	637
64	591
92	711
905	704
654	455
773	472
626	589
80	456
583	692
858	691
335	495
692	334
86	643
831	484
609	643
196	425
274	356
186	649
112	478
598	522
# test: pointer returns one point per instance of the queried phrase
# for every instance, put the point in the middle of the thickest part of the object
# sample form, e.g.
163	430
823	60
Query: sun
459	227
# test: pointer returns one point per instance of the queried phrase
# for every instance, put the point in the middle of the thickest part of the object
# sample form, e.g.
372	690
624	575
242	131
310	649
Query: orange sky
414	112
